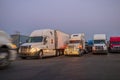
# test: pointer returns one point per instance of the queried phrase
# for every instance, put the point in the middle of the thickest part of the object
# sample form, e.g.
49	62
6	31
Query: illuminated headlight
19	50
93	48
66	49
13	46
32	50
105	47
79	46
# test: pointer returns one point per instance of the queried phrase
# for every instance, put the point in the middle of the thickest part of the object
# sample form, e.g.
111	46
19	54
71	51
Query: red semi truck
114	44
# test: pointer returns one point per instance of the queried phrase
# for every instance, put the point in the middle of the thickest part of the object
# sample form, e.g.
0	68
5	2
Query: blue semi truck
89	45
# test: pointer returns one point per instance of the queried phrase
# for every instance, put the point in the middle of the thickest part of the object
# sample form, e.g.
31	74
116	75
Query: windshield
74	41
115	42
35	39
99	41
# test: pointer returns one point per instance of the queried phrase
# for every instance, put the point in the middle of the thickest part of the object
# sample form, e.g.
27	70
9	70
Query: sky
70	16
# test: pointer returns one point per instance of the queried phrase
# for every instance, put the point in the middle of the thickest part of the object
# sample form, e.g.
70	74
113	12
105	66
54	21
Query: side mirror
45	40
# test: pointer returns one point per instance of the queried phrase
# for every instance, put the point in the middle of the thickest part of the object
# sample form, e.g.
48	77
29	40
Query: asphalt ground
86	67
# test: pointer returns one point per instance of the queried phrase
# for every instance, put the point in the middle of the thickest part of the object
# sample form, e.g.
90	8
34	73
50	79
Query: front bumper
99	51
114	50
71	52
28	54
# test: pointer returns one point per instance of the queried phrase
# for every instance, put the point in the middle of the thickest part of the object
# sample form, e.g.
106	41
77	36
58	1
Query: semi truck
44	42
7	50
89	45
100	44
76	45
114	44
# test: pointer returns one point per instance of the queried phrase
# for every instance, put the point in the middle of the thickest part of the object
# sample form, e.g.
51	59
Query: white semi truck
99	43
76	45
7	50
44	42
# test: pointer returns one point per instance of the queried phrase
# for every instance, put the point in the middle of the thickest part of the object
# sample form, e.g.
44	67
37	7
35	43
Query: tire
86	51
57	53
23	57
109	50
4	60
40	55
106	53
62	52
81	53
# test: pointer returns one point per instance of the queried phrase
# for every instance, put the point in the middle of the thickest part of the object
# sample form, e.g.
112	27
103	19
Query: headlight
93	48
105	47
80	46
13	46
32	50
66	49
19	50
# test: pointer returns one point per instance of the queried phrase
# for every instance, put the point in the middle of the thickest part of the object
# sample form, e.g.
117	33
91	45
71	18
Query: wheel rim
40	54
58	53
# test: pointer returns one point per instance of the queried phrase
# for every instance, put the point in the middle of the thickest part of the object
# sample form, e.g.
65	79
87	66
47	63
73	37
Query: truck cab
114	44
89	45
7	50
76	45
39	42
99	43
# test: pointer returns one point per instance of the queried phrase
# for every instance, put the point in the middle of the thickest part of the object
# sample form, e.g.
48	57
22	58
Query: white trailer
76	45
100	43
44	42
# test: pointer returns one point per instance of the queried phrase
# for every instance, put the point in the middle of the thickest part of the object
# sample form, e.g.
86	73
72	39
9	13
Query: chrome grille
117	47
99	47
70	46
25	49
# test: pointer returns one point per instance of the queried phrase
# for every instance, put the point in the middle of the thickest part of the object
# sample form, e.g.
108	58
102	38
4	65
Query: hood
4	40
73	45
32	44
99	45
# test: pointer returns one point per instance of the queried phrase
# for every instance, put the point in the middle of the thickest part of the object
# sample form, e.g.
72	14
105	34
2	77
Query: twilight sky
70	16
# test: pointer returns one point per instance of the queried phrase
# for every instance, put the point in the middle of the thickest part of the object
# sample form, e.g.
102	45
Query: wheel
4	58
23	57
109	50
81	53
86	51
57	53
40	55
61	52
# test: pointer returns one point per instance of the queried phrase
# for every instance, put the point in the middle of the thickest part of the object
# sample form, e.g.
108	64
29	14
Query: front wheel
81	53
4	58
23	57
40	55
